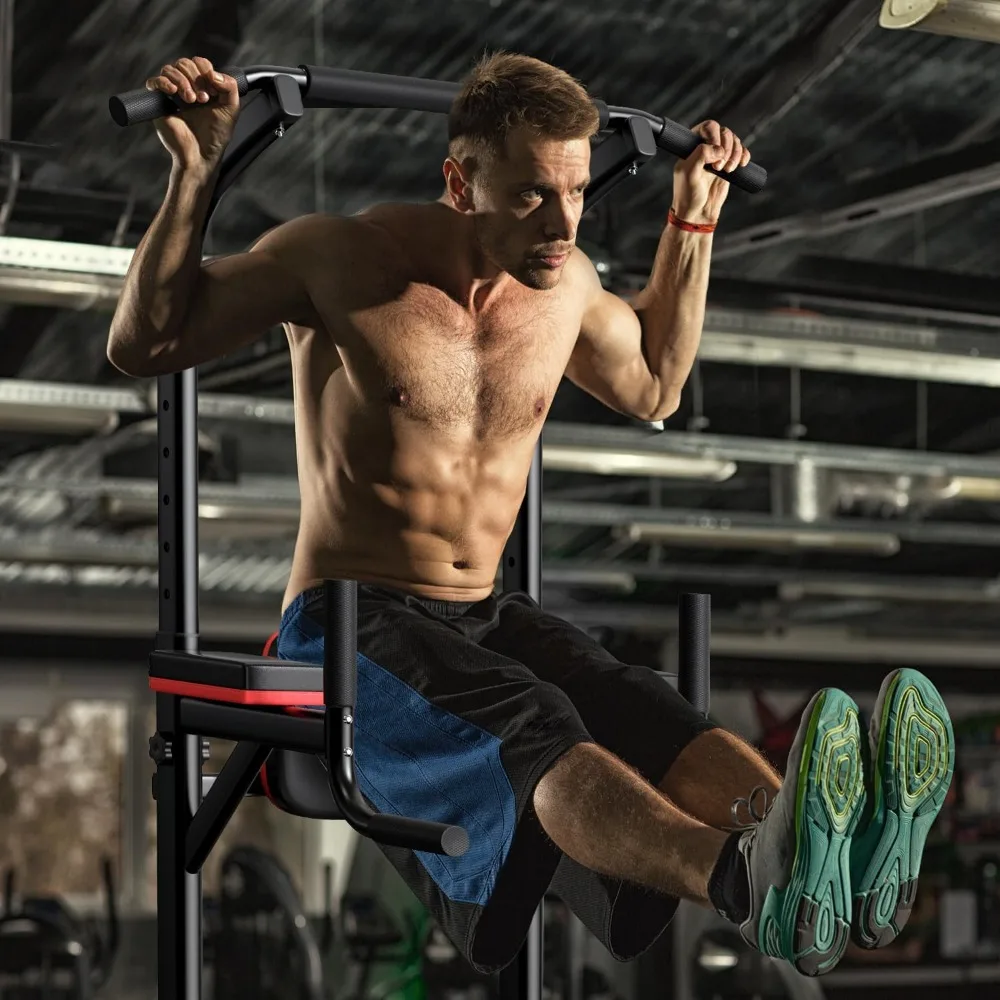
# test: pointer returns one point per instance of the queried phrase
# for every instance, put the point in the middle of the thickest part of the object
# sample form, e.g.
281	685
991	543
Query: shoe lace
757	804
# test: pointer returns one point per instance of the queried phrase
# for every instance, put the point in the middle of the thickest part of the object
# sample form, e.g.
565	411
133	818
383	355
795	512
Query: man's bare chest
494	375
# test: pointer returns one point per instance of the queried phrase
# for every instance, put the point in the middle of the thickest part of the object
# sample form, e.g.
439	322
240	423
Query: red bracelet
690	227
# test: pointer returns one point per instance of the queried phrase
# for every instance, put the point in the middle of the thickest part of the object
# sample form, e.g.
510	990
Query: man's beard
517	267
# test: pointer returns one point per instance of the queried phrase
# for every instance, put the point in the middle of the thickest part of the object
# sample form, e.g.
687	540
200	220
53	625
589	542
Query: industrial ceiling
832	476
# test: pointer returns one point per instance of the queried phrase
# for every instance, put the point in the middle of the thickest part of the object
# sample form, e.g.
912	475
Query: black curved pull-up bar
326	87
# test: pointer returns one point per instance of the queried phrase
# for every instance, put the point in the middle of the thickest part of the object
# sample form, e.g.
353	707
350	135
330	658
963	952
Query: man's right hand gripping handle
165	269
197	137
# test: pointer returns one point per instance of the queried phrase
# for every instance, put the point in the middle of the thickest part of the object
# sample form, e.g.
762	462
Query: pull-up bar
326	87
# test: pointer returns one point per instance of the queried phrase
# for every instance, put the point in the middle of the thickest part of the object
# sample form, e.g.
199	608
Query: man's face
527	205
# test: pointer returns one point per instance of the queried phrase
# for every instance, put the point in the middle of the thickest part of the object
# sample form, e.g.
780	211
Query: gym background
831	478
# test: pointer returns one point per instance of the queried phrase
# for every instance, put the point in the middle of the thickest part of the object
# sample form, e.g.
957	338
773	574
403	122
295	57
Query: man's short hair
507	91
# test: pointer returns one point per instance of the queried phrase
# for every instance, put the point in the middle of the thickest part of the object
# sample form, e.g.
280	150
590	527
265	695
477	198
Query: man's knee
586	773
562	780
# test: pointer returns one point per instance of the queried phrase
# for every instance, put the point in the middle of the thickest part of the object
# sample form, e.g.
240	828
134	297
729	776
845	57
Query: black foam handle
418	834
137	106
682	142
694	628
340	643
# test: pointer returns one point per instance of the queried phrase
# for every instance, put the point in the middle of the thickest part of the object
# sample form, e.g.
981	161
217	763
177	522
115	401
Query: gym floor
833	475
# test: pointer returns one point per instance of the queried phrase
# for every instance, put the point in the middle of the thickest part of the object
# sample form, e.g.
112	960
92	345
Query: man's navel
398	396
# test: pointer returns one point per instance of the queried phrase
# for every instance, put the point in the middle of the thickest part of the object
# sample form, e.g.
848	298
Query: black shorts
462	707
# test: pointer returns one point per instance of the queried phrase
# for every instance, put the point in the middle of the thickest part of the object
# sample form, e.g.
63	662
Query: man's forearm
672	307
163	273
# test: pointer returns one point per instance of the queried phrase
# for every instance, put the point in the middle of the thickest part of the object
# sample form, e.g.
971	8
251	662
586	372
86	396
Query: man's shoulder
582	273
340	242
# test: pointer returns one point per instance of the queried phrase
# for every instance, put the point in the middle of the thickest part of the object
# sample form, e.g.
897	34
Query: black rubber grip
340	643
694	634
683	142
418	834
357	89
147	105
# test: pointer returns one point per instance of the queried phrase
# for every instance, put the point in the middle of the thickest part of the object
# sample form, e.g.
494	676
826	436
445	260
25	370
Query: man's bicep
607	359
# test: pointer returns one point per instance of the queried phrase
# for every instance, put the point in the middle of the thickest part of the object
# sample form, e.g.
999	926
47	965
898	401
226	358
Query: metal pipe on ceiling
766	451
792	584
79	292
732	637
708	524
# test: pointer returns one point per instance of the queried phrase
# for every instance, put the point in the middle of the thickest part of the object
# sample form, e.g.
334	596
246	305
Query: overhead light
64	291
248	512
932	591
975	19
57	255
977	488
778	350
776	539
714	957
48	418
124	509
623	462
619	581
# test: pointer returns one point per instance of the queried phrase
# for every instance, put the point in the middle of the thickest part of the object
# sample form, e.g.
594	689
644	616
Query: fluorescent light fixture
715	957
776	539
860	347
48	418
988	592
22	286
56	255
977	488
975	19
248	512
623	462
140	508
621	582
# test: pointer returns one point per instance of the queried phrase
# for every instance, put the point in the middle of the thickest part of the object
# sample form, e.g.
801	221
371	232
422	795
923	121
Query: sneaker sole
809	921
913	767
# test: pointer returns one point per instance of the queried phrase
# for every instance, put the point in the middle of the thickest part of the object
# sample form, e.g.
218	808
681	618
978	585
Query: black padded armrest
239	678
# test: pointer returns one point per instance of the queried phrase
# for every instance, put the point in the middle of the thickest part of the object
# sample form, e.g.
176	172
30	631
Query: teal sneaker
798	855
912	748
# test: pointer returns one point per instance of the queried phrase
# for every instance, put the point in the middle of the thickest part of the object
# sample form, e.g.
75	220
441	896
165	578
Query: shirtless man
427	342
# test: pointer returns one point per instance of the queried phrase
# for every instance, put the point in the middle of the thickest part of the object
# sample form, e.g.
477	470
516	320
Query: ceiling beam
794	582
937	180
938	292
802	63
726	528
768	451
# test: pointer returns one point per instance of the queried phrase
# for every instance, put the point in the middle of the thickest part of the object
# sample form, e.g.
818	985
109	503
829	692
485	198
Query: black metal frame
192	808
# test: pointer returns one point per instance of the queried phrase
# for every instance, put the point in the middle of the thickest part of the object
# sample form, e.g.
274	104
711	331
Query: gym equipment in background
725	967
263	945
251	699
48	952
372	937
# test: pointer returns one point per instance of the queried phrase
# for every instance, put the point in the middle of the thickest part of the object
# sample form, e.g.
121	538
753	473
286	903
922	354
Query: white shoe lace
757	804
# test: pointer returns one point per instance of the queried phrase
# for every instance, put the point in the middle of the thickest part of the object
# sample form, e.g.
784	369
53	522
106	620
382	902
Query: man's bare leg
714	770
606	817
